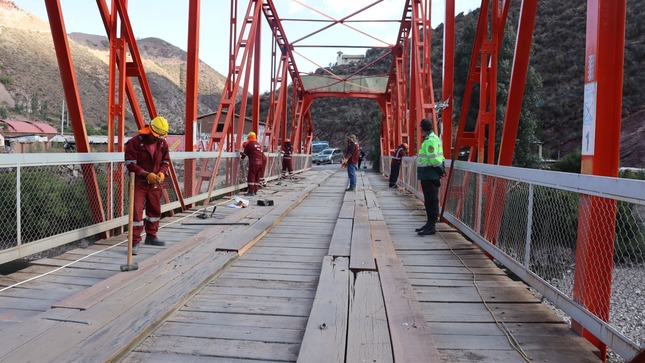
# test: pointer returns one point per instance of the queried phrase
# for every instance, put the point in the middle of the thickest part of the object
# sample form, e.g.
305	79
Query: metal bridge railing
45	203
531	226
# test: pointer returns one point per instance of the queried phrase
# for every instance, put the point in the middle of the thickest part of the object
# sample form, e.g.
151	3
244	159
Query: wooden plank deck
294	285
472	308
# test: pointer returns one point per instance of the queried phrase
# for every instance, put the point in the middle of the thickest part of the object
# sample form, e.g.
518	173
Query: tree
34	104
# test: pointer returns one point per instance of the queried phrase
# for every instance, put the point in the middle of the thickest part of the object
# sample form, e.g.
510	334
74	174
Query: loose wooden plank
465	294
264	284
361	253
250	236
341	239
91	296
368	336
246	291
242	320
478	313
237	349
326	332
259	334
132	311
412	340
274	271
139	357
346	210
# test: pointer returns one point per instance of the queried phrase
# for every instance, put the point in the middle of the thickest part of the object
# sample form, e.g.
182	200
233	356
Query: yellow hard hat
252	136
159	126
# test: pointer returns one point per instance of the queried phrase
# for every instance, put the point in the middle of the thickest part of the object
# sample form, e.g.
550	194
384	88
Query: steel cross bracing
407	98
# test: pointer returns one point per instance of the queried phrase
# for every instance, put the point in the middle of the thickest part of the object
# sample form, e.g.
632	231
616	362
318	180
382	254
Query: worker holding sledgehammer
146	155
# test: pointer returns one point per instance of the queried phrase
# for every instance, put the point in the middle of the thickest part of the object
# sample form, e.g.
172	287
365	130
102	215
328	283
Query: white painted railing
537	236
44	200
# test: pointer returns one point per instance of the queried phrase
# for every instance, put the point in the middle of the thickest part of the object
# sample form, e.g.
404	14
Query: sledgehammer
130	266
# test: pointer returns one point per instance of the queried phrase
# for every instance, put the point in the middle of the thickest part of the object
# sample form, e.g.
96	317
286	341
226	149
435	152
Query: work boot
428	231
249	194
422	228
349	189
135	249
154	241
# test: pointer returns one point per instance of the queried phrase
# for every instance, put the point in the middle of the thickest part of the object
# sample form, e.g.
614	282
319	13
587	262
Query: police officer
430	169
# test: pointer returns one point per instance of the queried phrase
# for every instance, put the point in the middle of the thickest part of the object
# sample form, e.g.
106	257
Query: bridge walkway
320	276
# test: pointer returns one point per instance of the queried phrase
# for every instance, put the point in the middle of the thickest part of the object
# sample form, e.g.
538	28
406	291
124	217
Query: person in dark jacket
395	164
361	156
351	160
253	151
146	155
430	169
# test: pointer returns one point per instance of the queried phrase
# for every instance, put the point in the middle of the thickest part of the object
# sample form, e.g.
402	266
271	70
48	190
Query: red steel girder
192	96
448	78
482	70
240	59
132	69
72	97
603	79
512	116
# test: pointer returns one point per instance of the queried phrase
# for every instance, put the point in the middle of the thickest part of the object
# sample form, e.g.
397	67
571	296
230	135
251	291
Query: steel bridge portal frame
408	98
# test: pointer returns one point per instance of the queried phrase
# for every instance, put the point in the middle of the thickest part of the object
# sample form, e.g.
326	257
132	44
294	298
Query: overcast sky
168	20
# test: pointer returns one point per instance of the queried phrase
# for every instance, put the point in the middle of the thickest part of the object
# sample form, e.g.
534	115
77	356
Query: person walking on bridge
395	164
351	160
254	152
430	169
146	155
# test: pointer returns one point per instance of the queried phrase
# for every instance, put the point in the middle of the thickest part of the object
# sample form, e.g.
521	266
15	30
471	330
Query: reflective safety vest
431	153
430	165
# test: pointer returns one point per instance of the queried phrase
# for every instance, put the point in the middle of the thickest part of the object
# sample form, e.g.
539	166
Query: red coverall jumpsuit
146	154
255	154
287	164
265	160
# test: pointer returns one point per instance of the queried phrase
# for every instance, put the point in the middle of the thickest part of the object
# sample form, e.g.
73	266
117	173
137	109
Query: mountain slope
30	85
558	54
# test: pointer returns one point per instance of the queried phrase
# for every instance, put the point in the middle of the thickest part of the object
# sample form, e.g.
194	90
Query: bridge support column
601	126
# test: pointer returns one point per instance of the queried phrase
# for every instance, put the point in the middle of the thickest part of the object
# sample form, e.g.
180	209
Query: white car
329	156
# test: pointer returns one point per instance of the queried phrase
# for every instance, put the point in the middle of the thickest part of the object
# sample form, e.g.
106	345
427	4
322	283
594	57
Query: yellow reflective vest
430	160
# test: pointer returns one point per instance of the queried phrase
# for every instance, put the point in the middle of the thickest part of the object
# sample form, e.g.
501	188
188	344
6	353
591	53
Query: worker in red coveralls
253	151
395	164
287	164
265	161
147	156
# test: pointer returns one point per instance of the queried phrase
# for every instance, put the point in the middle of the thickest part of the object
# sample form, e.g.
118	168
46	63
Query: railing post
18	219
480	196
603	85
529	228
110	176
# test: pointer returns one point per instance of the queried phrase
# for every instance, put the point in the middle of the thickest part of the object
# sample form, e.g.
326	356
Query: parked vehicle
318	146
329	156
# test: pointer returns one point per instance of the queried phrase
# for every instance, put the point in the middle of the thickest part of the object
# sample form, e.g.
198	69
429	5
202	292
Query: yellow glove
161	176
151	178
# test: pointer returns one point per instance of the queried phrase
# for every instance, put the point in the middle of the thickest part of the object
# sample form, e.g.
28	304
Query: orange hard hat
405	146
287	140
